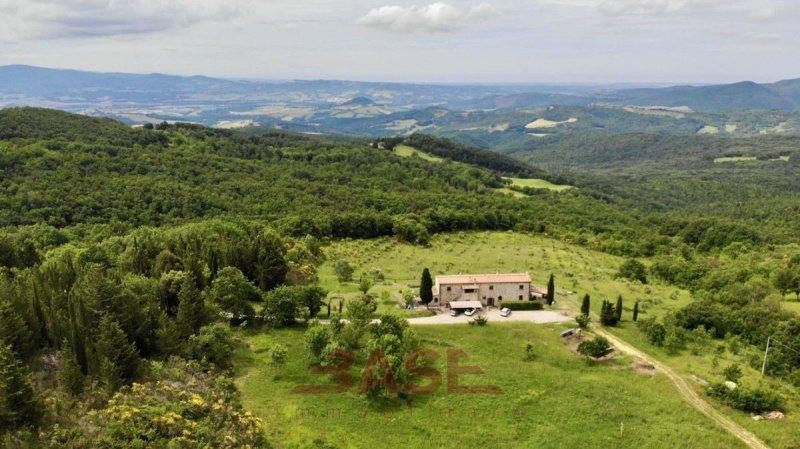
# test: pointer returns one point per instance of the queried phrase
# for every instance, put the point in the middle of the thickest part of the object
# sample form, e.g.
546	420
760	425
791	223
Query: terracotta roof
510	278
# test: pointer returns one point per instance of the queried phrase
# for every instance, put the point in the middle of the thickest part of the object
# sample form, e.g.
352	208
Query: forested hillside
127	254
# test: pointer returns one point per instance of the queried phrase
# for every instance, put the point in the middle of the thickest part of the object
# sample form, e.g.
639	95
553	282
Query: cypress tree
118	357
426	288
608	316
585	305
636	311
14	331
18	404
70	377
618	310
269	267
551	290
191	309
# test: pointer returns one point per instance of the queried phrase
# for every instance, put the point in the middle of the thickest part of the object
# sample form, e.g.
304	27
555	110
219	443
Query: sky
495	41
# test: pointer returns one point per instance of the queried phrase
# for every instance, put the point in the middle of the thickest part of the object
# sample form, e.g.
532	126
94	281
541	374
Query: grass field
538	184
407	151
577	271
721	160
556	401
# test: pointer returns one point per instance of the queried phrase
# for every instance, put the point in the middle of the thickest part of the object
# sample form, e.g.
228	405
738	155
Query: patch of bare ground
644	368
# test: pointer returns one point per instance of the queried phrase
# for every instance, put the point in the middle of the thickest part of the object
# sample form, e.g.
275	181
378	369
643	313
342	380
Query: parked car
454	312
470	312
505	311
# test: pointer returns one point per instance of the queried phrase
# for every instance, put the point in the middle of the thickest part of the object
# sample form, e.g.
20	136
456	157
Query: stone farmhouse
484	290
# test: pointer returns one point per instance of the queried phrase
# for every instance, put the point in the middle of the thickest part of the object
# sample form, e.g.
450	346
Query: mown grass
577	271
721	160
556	401
407	151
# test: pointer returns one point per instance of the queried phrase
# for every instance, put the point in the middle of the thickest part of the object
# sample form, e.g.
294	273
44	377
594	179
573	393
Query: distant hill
744	95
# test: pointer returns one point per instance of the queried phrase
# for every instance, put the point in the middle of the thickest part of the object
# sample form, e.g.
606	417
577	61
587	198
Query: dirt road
688	393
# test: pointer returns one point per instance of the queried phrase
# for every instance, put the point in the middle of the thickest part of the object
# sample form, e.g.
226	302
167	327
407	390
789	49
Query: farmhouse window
491	287
448	289
499	298
520	297
521	287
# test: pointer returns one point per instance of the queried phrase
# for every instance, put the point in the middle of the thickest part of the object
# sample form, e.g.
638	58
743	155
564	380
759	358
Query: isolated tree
343	270
633	270
364	284
608	316
618	309
551	290
585	305
18	404
636	311
191	309
426	287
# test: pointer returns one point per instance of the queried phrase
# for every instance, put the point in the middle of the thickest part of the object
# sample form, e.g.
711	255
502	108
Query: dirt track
688	393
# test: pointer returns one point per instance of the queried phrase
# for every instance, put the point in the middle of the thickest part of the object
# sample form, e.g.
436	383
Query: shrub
527	305
733	373
530	355
214	343
479	320
608	315
582	320
316	339
278	354
634	270
344	271
597	347
748	400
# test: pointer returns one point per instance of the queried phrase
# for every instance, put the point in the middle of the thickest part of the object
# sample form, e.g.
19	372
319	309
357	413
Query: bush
214	343
751	401
278	354
634	270
316	338
527	305
733	373
479	320
597	347
582	320
530	354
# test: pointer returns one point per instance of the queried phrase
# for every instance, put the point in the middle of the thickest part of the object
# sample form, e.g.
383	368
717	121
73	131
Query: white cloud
36	19
436	17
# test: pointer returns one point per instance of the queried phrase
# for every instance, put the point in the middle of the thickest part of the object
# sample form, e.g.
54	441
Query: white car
505	311
470	312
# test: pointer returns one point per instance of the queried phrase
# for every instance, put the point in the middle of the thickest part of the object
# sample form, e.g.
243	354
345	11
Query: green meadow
407	151
538	184
557	401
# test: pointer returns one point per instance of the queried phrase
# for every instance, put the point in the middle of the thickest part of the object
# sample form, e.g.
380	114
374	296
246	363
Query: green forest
130	257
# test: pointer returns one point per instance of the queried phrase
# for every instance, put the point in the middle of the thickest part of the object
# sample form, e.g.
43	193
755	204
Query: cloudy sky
576	41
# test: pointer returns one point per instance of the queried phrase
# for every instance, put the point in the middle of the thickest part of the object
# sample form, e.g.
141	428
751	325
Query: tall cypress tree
618	309
585	305
70	377
636	311
426	287
18	404
14	331
191	308
119	360
551	290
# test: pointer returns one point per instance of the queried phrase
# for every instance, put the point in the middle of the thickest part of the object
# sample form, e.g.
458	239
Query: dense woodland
127	254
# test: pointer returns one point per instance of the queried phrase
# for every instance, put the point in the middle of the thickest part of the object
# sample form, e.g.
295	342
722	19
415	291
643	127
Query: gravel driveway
532	316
